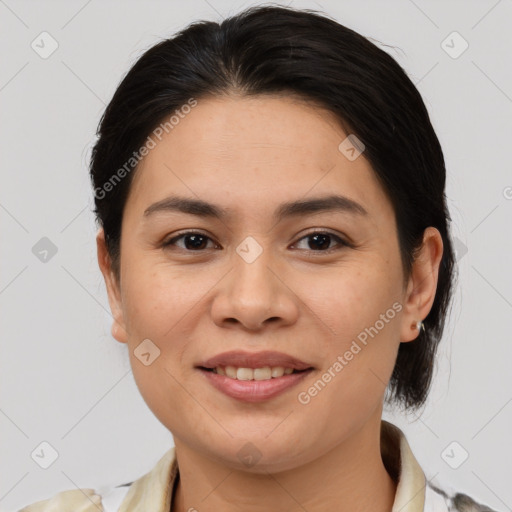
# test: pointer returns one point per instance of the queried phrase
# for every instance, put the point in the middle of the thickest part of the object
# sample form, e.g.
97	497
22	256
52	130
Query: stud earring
418	326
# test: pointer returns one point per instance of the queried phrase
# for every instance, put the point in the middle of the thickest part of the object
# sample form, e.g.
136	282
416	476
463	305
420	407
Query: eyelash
341	242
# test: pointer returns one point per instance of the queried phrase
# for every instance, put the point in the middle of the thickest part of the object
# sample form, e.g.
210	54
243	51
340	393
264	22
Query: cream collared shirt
153	491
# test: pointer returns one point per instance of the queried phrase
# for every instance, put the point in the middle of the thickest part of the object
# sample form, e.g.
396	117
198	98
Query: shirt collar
404	468
153	491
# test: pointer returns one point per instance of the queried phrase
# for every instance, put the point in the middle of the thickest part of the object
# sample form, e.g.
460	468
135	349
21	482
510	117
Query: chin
259	454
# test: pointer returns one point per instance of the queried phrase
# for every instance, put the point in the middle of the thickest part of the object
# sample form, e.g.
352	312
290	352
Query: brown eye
320	241
191	241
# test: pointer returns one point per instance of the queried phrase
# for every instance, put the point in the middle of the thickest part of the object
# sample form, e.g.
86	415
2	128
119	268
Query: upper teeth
264	373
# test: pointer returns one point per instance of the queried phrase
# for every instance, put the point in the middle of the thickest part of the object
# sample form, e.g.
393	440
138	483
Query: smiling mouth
253	385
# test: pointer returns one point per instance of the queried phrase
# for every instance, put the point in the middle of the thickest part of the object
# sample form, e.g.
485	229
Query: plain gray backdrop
65	381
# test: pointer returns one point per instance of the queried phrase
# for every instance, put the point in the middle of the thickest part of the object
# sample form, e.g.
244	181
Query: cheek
346	301
360	316
156	308
156	299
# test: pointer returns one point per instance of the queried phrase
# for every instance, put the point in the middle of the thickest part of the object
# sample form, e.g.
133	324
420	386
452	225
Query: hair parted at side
278	50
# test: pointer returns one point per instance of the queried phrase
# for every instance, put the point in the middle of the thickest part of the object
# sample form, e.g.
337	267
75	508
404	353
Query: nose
253	296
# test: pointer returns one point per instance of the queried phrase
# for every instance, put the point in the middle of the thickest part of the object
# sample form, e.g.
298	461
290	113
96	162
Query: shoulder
403	466
148	492
441	500
81	500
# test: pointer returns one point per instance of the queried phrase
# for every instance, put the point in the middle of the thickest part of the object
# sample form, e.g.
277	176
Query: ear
113	289
422	284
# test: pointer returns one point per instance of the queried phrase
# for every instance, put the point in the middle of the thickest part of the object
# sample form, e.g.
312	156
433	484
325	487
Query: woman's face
337	301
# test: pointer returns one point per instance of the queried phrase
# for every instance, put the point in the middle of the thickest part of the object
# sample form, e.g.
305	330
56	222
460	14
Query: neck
351	477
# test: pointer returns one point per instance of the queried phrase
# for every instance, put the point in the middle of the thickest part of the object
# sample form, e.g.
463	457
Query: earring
418	326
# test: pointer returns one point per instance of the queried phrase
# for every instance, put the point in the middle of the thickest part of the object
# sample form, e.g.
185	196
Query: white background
64	380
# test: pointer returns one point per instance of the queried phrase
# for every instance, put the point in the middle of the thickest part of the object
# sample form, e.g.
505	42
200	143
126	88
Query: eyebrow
290	209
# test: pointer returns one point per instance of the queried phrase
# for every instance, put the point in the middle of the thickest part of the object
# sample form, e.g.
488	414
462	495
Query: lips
254	391
244	359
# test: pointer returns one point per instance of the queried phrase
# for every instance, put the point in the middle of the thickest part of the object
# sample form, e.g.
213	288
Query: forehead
261	127
253	149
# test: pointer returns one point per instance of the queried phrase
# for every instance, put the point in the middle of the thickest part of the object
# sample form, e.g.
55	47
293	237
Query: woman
275	246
